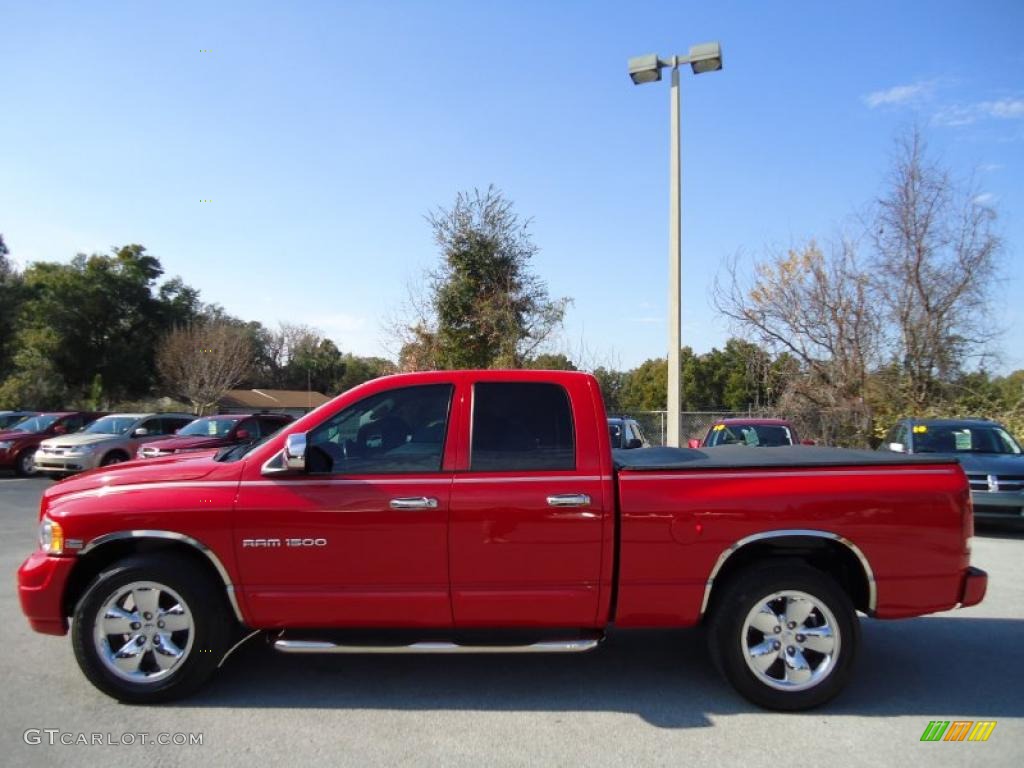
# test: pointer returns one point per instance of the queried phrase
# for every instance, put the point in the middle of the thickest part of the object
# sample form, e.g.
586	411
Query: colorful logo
958	730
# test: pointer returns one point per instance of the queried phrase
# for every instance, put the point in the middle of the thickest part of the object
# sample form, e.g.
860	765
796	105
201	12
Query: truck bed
682	510
745	457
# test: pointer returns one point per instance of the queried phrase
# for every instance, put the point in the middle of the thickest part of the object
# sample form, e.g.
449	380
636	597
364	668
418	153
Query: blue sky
323	132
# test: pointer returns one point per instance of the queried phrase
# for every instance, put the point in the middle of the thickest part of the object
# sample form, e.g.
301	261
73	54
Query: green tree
11	296
36	381
485	308
316	363
612	383
294	356
361	369
100	315
549	361
645	387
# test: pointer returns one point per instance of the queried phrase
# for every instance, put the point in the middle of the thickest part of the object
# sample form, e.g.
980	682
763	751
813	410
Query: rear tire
785	636
147	631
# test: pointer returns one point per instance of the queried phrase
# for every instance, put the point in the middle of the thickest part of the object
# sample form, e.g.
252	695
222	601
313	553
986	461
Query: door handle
569	500
414	502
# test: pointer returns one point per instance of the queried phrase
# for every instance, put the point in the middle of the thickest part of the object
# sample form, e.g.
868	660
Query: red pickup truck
484	511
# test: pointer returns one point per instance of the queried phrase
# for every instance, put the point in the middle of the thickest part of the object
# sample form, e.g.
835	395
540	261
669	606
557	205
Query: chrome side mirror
898	447
295	452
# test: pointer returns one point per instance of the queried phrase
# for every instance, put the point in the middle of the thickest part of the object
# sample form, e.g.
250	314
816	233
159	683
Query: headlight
51	537
5	444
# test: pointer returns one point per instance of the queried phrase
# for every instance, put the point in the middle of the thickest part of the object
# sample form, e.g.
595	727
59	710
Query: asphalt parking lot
643	698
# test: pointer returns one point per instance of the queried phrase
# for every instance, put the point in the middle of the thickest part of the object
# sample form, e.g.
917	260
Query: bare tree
283	344
202	361
816	306
936	257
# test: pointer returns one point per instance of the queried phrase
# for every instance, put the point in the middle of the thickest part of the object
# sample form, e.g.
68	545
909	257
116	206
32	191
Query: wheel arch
115	452
829	552
103	550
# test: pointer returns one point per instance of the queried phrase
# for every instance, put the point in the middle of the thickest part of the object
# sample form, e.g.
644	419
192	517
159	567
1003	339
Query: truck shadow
932	667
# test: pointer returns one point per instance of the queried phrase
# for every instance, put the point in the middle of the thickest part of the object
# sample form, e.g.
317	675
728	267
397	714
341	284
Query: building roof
268	399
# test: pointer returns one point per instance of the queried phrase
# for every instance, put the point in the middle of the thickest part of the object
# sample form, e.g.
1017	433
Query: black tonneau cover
745	457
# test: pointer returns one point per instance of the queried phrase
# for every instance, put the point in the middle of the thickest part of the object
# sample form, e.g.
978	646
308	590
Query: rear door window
522	427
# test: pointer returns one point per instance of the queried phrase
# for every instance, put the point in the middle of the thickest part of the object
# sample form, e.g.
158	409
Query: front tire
113	458
785	636
25	464
146	630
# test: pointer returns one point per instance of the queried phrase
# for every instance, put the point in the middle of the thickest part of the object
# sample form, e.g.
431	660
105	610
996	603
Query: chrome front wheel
151	628
144	631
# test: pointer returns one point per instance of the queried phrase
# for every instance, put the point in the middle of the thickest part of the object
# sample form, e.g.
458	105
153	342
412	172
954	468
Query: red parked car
216	432
19	443
757	433
484	512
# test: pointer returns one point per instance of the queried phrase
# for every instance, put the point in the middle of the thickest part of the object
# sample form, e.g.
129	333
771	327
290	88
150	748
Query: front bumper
41	582
65	464
972	590
998	505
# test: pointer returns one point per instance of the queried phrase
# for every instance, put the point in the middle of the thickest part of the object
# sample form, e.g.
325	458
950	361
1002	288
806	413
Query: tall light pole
706	57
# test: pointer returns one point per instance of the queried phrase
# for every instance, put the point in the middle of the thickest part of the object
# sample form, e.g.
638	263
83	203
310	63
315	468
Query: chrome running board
546	646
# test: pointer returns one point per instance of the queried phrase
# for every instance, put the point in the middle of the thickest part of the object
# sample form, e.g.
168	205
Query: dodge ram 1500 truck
485	512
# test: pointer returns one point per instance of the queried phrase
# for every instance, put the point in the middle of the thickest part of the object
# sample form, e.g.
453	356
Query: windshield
111	425
764	435
34	424
212	426
963	438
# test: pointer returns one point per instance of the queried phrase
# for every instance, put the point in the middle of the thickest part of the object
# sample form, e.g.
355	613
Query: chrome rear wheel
790	640
784	634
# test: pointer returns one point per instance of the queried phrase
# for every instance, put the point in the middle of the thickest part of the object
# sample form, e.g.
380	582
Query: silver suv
109	440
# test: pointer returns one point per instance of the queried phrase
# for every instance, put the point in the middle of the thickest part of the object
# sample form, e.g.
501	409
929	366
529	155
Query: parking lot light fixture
645	69
704	57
